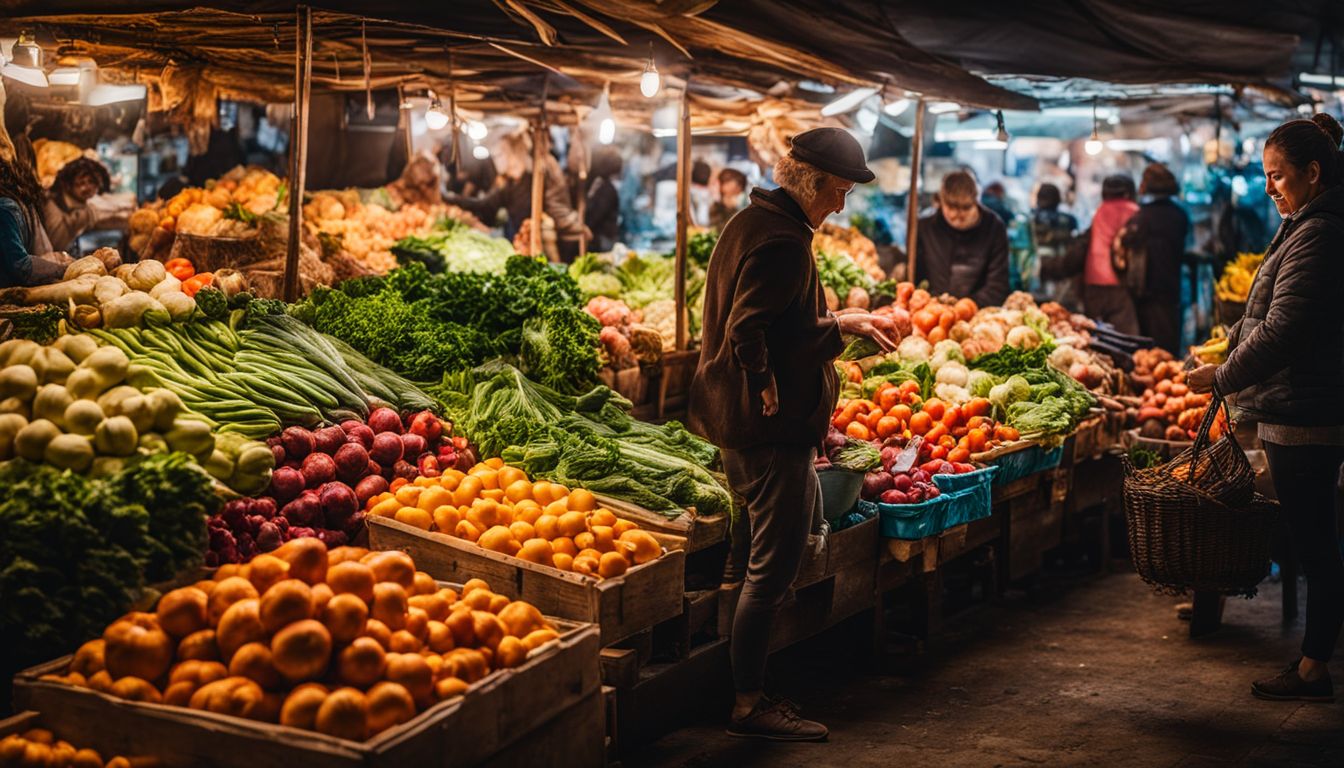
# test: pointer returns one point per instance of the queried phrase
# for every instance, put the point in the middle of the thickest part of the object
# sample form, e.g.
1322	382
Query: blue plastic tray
964	498
1029	461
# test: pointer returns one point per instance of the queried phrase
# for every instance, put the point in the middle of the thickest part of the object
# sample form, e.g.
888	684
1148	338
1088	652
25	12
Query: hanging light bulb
650	82
606	122
64	76
480	152
435	117
1094	144
1002	136
25	62
477	130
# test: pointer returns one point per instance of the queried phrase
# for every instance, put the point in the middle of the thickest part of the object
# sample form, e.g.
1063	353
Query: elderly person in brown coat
764	390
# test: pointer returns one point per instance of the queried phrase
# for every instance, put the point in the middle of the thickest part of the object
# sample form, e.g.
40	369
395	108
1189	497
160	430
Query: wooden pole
683	211
404	123
577	145
912	208
539	169
298	146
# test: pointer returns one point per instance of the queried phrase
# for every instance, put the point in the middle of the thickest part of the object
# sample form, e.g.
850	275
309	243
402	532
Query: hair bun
1331	127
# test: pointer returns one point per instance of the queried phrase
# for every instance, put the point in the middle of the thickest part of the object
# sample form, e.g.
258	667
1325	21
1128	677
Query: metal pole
683	211
298	146
912	207
538	170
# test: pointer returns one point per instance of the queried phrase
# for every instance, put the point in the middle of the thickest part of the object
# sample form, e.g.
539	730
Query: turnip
362	435
369	487
412	446
318	468
902	482
278	451
385	420
349	424
352	462
387	448
286	484
329	439
338	503
263	506
894	496
306	510
298	442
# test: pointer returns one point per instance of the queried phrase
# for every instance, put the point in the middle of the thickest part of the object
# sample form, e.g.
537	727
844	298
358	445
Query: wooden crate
645	595
699	531
495	713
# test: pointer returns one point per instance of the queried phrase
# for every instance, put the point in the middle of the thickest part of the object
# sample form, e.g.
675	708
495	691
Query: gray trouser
783	498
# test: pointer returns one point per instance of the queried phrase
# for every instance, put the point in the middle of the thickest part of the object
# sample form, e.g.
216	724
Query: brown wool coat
765	313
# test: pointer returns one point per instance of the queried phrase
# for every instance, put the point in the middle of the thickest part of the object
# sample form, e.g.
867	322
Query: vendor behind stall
77	203
962	248
25	252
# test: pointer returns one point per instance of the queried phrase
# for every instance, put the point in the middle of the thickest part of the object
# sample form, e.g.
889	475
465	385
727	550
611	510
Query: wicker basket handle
1202	436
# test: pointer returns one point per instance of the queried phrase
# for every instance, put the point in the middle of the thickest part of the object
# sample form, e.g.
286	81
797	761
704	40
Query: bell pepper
180	268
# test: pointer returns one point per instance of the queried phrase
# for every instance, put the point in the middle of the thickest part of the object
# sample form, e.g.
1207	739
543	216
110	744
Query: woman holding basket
1286	367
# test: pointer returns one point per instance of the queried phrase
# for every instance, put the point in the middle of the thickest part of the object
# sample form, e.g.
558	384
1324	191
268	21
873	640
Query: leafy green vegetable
41	323
75	551
700	247
857	456
212	303
860	347
1009	360
237	212
454	247
561	349
839	273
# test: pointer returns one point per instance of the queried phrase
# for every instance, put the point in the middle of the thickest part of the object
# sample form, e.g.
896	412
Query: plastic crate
1019	464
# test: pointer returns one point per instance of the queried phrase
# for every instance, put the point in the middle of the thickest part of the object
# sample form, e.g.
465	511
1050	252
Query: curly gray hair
802	180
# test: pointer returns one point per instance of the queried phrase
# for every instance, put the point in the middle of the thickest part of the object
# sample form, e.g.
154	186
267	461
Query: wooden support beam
912	207
683	213
298	146
538	170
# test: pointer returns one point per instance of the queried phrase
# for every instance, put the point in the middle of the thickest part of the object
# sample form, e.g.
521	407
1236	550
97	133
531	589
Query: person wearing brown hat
764	389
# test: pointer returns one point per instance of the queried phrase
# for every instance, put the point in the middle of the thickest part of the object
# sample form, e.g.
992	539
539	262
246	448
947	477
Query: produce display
1213	351
341	641
226	207
499	508
369	231
848	285
78	550
640	291
1167	409
39	748
626	341
851	243
451	245
1234	284
324	476
589	441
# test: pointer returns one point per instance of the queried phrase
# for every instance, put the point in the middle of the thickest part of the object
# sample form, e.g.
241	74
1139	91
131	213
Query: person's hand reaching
1200	380
875	328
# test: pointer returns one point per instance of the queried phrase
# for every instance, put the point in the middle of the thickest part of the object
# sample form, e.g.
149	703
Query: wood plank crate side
622	605
576	736
433	738
698	531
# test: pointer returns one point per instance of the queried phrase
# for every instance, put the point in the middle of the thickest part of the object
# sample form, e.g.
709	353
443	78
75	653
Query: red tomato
920	423
935	408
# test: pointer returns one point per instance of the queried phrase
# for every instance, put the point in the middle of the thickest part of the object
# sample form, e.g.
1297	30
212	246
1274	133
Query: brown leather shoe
1288	686
777	720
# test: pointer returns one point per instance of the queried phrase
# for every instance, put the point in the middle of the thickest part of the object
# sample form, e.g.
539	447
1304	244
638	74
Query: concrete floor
1093	673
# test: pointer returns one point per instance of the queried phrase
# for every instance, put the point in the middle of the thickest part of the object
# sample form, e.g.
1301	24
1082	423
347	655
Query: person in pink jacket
1104	297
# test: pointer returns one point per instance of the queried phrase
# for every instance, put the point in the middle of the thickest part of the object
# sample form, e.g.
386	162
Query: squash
72	452
307	558
183	611
51	402
378	631
510	653
439	637
108	366
344	714
423	584
321	594
240	625
646	547
300	707
255	662
345	554
489	630
539	637
389	604
345	616
166	406
412	671
389	704
284	603
227	592
199	645
302	650
434	605
89	658
236	696
392	566
18	381
136	646
361	663
265	570
136	689
521	618
405	642
353	578
449	687
30	442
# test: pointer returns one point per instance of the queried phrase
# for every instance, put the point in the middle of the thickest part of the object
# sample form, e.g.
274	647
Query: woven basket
1195	522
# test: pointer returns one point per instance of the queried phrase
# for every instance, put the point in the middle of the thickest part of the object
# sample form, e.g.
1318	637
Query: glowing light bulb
650	82
606	132
477	130
480	152
435	117
1094	146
